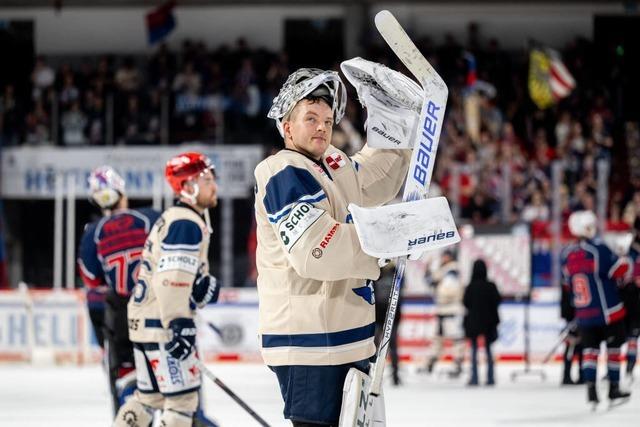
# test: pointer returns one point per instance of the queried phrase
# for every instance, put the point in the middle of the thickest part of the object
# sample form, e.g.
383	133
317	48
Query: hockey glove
205	290
183	340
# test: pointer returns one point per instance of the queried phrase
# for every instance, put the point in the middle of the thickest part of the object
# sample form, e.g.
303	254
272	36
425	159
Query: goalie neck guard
305	82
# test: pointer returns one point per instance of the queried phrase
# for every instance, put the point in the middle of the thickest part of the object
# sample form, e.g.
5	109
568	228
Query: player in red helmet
173	281
191	176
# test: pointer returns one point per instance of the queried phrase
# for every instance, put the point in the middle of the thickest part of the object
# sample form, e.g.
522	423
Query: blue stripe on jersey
320	340
287	187
180	248
152	323
183	234
287	209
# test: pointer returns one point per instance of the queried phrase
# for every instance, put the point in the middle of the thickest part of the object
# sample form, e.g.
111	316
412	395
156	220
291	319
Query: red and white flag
560	79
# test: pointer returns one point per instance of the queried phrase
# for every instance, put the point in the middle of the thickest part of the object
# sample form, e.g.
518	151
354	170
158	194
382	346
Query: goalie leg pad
185	403
172	418
133	414
359	408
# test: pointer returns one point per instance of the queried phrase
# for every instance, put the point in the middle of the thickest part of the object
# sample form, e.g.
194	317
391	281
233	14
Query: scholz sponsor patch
182	262
302	216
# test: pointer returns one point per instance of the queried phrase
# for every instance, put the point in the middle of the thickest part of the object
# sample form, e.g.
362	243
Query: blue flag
160	22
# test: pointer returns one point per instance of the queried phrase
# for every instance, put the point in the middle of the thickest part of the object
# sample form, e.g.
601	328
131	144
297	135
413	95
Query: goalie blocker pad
405	228
359	408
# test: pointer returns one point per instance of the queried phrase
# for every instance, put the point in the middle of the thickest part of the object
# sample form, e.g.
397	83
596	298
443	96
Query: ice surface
77	396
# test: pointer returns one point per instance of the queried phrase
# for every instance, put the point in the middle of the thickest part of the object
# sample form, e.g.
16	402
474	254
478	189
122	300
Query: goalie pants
313	394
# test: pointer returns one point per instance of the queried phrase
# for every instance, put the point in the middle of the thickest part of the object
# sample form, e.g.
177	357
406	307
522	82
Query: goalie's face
309	128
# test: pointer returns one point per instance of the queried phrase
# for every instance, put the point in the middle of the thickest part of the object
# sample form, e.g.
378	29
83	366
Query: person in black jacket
481	300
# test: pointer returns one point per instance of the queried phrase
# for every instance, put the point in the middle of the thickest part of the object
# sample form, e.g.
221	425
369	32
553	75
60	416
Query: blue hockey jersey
111	248
634	254
590	271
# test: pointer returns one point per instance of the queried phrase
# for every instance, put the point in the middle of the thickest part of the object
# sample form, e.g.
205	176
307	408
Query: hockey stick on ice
423	158
201	366
563	336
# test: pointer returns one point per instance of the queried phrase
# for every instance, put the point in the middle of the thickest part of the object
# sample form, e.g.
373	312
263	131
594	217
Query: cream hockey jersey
315	296
175	252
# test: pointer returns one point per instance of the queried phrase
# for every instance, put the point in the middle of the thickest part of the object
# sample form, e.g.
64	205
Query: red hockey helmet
184	167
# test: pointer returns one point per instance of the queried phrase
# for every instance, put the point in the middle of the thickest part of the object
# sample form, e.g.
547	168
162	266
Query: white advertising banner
30	172
57	323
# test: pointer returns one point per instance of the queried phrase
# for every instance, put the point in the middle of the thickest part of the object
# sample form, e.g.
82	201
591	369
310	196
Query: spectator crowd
222	95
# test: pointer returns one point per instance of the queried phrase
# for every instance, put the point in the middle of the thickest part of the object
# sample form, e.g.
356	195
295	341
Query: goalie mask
392	100
106	187
583	224
309	82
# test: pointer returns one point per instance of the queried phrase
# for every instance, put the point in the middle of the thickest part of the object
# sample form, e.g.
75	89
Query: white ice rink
77	396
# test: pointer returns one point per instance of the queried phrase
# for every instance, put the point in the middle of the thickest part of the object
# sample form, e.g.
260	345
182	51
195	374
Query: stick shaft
201	366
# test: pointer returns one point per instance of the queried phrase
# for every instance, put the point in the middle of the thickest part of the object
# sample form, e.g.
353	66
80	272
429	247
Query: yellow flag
539	87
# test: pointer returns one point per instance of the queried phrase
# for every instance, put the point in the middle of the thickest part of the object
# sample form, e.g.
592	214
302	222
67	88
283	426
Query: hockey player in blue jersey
110	250
631	298
591	271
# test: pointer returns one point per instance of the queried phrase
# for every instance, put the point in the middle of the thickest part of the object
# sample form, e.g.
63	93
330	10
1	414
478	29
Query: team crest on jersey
335	161
366	292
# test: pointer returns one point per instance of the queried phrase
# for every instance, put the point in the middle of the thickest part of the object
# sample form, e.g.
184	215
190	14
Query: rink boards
47	326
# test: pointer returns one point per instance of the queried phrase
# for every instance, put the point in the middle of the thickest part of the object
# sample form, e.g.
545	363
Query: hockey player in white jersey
449	310
173	280
316	309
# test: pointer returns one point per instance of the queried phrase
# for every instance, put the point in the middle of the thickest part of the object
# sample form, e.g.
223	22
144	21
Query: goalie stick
423	157
427	136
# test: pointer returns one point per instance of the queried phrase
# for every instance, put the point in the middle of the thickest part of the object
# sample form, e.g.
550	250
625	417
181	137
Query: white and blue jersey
316	304
175	254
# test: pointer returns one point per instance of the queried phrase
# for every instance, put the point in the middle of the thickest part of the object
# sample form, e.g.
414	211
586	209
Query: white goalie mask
305	82
106	187
393	102
583	224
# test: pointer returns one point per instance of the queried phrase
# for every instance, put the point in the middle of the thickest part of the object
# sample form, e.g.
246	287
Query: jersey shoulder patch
183	235
289	187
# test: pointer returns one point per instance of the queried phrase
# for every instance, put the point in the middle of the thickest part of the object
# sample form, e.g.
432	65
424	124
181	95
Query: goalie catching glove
392	100
183	338
205	290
